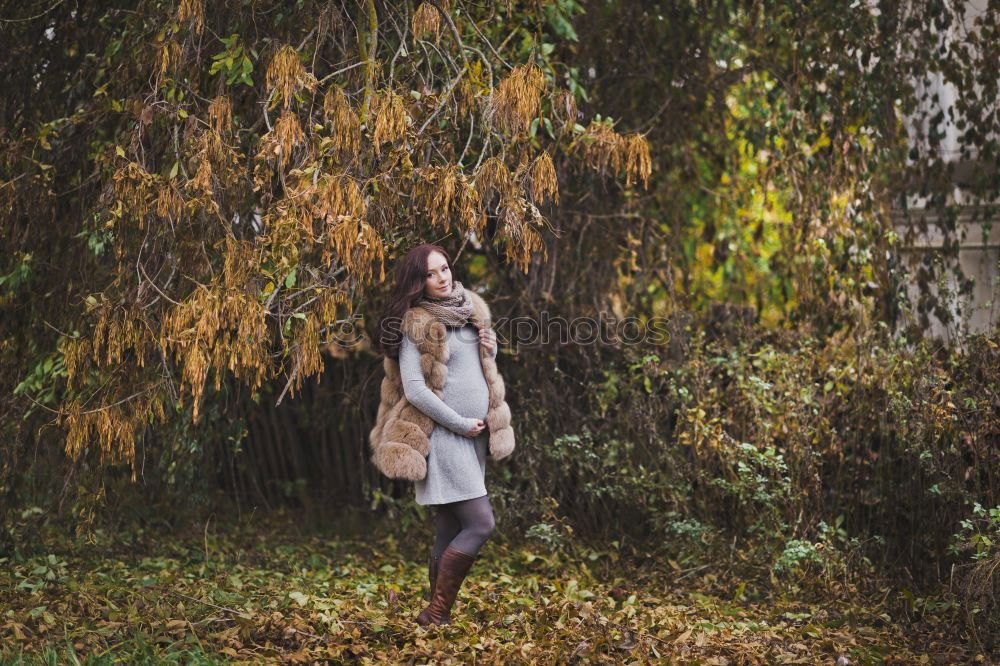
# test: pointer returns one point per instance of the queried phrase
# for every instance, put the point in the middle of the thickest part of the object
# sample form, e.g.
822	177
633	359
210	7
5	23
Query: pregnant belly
469	397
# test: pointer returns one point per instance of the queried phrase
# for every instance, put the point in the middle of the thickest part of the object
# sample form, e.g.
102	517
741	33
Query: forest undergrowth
264	589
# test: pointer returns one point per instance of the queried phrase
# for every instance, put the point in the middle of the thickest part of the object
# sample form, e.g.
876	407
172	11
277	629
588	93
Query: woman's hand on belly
476	429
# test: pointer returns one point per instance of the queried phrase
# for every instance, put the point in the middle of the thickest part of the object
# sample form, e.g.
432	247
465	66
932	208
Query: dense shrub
769	440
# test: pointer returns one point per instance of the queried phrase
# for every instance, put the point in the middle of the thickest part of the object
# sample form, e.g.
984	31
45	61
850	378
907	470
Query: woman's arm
496	342
421	397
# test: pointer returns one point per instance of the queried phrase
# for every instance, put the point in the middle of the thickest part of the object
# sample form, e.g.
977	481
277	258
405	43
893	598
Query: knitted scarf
452	310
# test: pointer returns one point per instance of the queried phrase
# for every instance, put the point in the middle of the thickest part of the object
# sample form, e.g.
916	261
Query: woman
442	411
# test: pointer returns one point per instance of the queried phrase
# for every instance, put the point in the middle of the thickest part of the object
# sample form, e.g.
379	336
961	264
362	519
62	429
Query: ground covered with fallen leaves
263	590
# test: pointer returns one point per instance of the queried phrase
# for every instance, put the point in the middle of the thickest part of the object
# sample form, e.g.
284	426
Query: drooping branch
369	44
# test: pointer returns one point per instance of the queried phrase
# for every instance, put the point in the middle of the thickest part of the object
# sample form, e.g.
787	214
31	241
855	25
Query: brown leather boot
452	570
432	573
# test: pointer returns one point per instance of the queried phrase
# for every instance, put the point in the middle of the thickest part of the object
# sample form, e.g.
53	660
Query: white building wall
921	233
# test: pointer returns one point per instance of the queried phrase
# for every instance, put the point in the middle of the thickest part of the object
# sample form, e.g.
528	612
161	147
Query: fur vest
400	439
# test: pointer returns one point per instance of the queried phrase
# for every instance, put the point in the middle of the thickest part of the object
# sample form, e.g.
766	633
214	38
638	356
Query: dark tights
464	525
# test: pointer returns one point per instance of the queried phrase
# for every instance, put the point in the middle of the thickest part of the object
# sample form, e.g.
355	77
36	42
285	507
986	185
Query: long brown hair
409	273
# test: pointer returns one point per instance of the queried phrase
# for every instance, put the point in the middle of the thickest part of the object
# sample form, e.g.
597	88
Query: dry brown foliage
244	227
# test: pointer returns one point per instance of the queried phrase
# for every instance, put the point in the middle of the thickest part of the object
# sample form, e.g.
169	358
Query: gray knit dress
456	464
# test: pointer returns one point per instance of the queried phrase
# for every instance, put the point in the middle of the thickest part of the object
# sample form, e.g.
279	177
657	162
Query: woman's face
437	282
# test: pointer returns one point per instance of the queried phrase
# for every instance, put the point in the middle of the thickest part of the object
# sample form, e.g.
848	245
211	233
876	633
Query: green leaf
548	127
